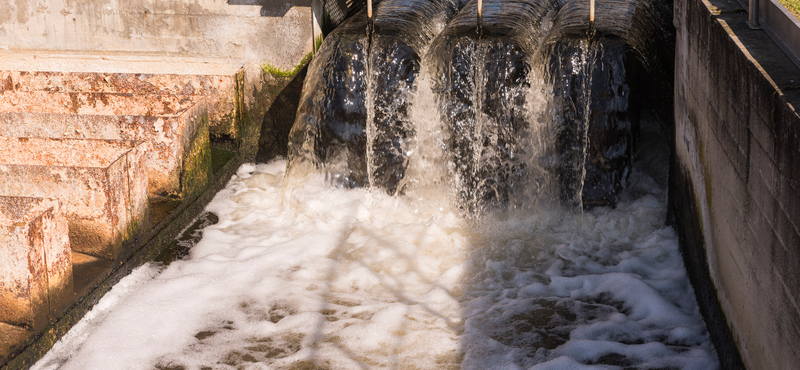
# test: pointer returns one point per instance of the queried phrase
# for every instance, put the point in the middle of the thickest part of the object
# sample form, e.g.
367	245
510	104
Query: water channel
457	196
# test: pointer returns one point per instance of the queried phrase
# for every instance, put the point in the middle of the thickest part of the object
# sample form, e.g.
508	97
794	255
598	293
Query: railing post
752	20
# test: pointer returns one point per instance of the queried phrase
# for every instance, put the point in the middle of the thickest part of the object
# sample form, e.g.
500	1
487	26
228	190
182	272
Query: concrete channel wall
236	29
735	183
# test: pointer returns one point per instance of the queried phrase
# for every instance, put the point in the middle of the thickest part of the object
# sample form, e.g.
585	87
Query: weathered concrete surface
735	182
36	260
46	73
171	137
94	103
214	28
102	185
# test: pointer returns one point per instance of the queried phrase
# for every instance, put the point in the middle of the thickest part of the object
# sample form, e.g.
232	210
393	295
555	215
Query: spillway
457	195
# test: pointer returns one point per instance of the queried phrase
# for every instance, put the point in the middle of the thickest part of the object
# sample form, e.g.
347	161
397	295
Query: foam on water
317	277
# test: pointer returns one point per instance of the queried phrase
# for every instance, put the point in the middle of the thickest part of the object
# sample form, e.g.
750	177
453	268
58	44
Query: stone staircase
95	151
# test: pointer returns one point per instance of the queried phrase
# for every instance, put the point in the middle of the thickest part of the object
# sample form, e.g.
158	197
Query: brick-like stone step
36	261
220	81
89	103
102	185
176	129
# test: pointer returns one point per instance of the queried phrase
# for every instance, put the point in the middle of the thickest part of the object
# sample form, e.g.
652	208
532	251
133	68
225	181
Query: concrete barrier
239	30
102	185
735	183
36	283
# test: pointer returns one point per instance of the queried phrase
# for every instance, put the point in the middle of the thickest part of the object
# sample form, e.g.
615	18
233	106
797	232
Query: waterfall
535	105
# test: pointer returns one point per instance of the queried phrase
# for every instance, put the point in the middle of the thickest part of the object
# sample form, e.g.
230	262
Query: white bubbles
326	278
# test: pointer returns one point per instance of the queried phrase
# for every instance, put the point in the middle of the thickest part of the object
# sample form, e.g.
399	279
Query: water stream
454	198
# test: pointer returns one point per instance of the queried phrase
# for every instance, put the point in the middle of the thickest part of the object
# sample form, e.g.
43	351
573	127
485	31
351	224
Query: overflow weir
447	184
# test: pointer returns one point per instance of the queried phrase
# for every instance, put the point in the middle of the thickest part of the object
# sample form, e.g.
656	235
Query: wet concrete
12	338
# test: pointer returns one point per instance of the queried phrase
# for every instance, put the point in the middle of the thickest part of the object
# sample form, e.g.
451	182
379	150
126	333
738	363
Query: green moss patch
280	72
793	6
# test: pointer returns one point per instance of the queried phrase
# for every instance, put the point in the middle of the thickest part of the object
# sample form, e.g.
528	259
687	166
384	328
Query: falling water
402	32
481	80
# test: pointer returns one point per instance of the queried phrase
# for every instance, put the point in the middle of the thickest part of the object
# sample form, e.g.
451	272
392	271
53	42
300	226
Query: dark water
481	77
534	101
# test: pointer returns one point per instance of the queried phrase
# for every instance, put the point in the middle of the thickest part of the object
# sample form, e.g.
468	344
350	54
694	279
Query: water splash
575	143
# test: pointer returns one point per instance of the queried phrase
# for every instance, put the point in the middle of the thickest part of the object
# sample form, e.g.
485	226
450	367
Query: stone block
170	138
36	261
219	83
102	185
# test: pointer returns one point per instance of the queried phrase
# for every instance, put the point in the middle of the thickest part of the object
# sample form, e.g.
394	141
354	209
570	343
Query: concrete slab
102	185
171	138
36	260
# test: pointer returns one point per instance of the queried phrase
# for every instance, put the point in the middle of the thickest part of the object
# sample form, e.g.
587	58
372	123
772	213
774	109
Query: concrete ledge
102	185
36	284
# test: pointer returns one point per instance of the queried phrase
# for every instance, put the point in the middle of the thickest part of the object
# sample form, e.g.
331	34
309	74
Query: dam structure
427	184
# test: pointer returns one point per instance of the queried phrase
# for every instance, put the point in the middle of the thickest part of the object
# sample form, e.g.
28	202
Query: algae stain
280	72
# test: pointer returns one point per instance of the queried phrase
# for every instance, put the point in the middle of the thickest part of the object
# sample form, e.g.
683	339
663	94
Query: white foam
348	279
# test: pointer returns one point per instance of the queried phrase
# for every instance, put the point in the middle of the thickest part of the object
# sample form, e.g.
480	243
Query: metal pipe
480	13
313	27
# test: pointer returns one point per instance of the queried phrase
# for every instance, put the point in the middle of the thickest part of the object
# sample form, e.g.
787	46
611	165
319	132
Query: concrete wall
735	188
277	31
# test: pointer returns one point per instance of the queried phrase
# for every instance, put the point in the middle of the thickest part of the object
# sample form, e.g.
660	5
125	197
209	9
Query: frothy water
319	277
429	218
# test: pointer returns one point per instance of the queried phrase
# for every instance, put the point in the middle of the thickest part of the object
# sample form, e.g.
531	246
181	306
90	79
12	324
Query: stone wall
238	29
735	186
